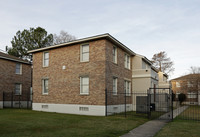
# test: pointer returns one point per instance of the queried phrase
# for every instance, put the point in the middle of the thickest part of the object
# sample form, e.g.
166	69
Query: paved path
150	128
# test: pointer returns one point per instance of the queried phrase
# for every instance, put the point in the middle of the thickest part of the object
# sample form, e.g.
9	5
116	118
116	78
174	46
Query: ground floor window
18	89
127	87
45	86
114	86
84	85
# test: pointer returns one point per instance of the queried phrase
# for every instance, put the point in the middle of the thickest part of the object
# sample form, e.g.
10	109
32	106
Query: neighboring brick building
72	77
15	76
189	85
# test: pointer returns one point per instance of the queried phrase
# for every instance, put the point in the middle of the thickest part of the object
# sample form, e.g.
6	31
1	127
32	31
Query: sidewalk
150	128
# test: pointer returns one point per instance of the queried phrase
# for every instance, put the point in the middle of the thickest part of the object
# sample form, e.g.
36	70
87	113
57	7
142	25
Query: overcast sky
145	26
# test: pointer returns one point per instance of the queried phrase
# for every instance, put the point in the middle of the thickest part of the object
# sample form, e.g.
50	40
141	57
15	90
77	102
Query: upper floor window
84	53
178	84
45	86
115	54
127	87
84	85
18	69
127	61
45	59
18	89
114	86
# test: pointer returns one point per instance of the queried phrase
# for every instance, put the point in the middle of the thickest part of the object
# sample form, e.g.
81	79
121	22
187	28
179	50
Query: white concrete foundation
95	110
111	109
16	104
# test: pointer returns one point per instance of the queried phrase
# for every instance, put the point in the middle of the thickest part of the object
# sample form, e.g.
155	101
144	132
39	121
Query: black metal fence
11	100
153	103
189	109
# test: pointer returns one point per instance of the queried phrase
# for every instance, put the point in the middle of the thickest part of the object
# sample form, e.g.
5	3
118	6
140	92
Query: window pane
46	62
17	89
45	86
85	57
85	89
18	67
85	48
85	81
46	55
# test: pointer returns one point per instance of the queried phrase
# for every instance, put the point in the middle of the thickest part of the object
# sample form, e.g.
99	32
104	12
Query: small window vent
115	108
83	109
45	106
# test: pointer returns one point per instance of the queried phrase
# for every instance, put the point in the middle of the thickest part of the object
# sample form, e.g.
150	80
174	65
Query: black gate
161	103
155	103
11	100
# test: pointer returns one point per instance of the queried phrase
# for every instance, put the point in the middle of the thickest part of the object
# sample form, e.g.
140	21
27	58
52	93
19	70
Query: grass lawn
185	125
180	128
20	123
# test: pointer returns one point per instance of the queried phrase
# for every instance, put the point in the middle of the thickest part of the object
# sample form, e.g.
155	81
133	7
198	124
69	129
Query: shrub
181	97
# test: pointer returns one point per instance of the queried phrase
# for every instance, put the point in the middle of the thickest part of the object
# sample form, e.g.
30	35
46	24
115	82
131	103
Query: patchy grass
180	128
191	113
19	122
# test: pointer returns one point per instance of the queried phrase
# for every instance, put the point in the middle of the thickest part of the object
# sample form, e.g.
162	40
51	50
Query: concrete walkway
150	128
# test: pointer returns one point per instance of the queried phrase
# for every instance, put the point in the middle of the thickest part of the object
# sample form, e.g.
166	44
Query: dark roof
12	58
187	76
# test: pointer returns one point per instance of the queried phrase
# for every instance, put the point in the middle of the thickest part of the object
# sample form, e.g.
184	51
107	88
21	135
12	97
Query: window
85	53
18	69
127	87
127	61
177	94
84	85
45	86
114	86
192	95
189	84
178	84
46	59
115	54
18	89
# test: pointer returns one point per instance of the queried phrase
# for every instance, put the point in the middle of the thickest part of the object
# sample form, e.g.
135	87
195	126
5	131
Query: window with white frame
178	84
45	59
127	61
45	86
18	68
84	85
189	84
127	87
177	93
84	53
18	89
192	95
115	54
114	86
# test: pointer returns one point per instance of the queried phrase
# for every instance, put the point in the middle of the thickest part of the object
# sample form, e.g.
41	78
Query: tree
194	70
162	62
181	97
29	40
63	37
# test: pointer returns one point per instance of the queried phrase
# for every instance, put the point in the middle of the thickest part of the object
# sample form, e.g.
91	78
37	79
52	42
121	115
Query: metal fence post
172	102
106	101
12	99
27	100
125	105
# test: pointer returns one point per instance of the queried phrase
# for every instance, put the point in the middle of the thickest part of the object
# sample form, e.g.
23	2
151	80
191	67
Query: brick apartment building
190	86
15	77
72	77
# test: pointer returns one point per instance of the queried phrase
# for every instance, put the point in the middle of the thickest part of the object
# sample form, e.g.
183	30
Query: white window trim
125	87
81	85
192	95
178	85
20	92
81	54
43	86
115	93
44	58
20	73
114	61
126	65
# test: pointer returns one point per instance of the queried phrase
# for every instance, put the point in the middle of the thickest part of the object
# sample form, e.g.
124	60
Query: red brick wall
117	70
64	85
8	78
